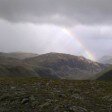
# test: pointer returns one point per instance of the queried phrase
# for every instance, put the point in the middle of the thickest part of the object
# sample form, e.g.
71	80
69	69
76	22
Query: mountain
50	65
25	71
67	66
104	75
106	60
8	60
18	55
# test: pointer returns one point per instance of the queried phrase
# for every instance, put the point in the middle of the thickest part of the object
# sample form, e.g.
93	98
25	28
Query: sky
78	27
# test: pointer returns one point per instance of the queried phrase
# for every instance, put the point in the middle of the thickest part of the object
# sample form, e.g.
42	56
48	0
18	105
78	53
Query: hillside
67	66
51	65
44	95
25	70
104	75
18	55
9	61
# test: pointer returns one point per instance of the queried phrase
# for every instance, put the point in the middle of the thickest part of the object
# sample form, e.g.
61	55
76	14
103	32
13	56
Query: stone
25	100
77	109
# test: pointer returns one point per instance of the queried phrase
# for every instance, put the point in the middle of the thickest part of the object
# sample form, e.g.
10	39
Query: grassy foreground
43	95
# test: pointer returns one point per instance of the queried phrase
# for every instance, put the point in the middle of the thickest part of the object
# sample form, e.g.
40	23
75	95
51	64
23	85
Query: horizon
55	53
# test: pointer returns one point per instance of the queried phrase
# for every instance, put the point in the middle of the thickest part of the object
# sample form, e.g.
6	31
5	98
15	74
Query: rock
77	109
45	104
56	109
13	87
25	100
70	90
108	98
76	96
32	98
62	95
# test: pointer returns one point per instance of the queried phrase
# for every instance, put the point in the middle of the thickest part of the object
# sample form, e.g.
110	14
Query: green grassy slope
43	95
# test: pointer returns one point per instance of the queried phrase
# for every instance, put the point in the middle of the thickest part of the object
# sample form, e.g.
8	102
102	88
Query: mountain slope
24	70
13	67
67	66
104	75
18	55
8	60
51	65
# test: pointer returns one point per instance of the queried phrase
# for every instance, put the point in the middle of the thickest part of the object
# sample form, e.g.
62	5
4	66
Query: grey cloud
96	39
45	38
35	38
62	12
95	32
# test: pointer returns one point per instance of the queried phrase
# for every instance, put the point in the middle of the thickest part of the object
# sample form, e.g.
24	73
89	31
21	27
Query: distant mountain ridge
106	60
18	55
50	65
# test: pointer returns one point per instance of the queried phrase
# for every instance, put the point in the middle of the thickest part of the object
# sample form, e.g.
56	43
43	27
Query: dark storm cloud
57	11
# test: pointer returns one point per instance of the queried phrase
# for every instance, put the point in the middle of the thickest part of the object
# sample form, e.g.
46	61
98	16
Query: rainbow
87	53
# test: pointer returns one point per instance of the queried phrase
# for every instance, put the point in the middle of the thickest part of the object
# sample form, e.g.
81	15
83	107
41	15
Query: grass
45	95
